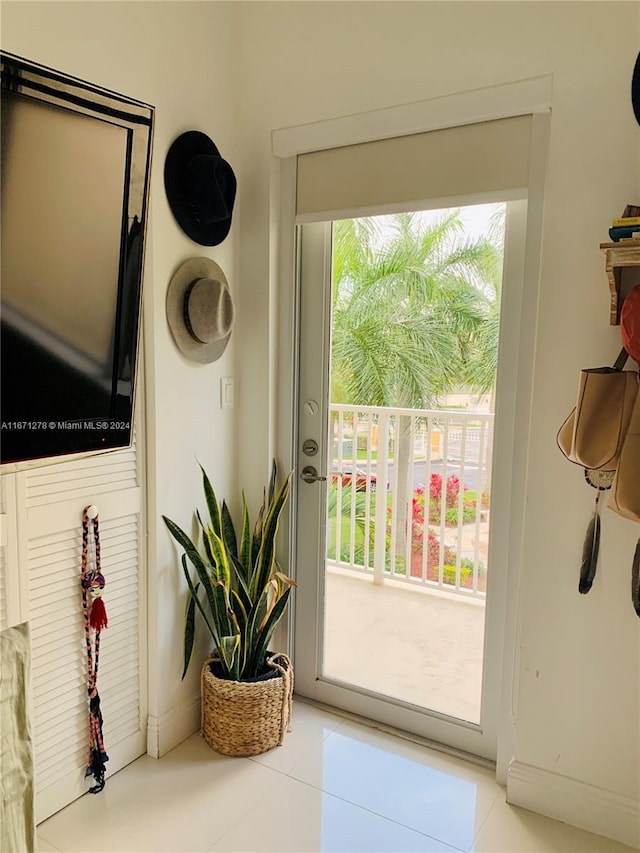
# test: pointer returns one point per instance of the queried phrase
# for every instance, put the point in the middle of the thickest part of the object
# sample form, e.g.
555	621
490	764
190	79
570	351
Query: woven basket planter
247	717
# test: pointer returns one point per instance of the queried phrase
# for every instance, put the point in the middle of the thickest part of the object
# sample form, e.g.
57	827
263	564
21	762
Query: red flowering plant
417	522
435	486
435	494
435	497
417	518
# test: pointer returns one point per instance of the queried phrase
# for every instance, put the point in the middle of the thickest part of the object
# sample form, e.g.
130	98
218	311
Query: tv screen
74	179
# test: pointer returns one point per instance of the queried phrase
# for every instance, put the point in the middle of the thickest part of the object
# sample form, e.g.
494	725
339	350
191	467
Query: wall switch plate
226	393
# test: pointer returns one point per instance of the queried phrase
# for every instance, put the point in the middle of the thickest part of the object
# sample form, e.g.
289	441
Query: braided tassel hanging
95	619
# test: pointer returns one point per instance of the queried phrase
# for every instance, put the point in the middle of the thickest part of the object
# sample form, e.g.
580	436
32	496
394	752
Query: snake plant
236	586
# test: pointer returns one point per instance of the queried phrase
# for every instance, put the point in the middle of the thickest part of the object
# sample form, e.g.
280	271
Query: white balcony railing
408	495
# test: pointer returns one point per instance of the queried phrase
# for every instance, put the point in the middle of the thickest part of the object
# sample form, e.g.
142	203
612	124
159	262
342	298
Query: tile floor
335	785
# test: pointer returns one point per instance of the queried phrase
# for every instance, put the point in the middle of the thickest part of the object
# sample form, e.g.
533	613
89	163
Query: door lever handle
310	475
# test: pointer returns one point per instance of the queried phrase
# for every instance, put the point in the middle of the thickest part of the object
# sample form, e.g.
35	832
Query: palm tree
411	305
482	364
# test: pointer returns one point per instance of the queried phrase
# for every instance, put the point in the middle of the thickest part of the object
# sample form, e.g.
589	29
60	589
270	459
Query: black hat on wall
201	188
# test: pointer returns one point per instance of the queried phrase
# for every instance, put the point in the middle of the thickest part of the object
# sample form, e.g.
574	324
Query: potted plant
241	595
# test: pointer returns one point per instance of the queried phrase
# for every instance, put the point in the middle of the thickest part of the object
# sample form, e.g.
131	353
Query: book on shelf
625	221
622	233
631	210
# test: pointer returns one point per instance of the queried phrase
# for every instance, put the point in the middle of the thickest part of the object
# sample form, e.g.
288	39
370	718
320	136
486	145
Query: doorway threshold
400	733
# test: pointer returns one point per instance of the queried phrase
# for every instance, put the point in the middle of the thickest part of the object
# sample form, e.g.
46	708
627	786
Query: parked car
347	473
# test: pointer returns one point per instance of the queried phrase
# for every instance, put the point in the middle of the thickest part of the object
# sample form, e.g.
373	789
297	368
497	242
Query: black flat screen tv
74	179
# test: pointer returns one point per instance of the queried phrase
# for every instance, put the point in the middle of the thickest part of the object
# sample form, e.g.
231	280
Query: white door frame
531	96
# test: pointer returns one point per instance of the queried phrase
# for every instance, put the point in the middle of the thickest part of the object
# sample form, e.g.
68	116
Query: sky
476	218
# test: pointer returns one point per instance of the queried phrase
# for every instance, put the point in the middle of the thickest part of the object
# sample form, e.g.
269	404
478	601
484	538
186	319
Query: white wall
578	664
178	57
288	63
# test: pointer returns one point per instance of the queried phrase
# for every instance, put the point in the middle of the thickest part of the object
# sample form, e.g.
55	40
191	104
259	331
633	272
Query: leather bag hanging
602	434
625	493
624	497
594	433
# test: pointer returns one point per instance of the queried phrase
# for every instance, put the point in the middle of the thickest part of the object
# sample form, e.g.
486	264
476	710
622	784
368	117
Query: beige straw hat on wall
200	310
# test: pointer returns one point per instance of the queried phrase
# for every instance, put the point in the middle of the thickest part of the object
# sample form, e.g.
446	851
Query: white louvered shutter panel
55	498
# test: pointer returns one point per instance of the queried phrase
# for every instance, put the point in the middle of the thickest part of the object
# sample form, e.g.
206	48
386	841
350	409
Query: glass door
399	329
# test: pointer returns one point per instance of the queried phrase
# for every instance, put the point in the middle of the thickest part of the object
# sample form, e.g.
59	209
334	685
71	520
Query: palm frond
414	309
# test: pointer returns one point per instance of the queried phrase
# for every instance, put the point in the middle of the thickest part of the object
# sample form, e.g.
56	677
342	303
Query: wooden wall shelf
622	266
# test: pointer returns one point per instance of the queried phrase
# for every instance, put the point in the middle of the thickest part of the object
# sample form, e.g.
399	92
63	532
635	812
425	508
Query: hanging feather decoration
635	579
590	552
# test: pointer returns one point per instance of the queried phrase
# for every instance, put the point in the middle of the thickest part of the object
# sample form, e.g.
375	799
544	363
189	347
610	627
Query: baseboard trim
168	730
585	806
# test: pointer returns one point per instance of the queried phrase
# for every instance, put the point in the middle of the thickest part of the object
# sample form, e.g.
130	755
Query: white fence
408	495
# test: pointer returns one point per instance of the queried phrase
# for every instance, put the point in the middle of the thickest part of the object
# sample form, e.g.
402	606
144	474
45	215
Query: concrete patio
418	645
